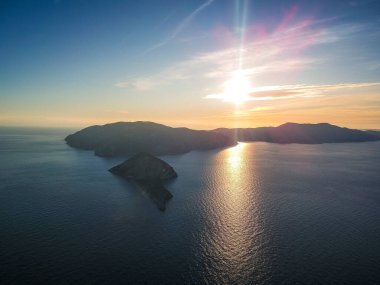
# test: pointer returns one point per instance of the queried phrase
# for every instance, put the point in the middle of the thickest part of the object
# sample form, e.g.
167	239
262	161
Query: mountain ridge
300	133
127	138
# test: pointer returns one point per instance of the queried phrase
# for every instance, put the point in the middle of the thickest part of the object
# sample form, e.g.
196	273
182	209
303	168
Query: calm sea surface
256	213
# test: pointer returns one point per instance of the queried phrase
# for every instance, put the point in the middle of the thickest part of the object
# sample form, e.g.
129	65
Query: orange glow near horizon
243	71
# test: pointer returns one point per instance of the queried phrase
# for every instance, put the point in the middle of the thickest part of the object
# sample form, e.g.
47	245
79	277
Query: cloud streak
182	25
266	54
265	93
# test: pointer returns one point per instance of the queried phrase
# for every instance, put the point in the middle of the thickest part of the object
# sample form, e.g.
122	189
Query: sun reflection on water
234	157
234	226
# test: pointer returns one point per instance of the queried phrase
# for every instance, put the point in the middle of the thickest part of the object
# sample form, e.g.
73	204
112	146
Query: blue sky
76	63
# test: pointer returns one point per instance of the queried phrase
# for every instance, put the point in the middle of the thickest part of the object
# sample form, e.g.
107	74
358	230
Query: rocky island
128	138
148	172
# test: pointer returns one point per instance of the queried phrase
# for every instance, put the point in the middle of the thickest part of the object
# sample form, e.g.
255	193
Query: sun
237	88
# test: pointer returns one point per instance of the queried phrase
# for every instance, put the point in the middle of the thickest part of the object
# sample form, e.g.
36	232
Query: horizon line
167	125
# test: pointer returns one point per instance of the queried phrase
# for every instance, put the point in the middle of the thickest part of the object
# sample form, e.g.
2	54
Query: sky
201	64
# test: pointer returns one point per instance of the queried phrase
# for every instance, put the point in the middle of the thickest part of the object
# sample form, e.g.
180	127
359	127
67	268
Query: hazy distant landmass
376	133
301	133
126	138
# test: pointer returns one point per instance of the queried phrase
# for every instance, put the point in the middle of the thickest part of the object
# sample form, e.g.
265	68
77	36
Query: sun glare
237	89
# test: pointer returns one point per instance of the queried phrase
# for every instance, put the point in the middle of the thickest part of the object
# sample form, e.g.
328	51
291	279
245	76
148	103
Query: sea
255	213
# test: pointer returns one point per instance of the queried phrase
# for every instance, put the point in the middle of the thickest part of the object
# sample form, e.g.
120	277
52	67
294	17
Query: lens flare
237	89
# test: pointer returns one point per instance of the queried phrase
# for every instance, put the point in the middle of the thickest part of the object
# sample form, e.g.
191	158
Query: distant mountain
376	133
300	133
125	138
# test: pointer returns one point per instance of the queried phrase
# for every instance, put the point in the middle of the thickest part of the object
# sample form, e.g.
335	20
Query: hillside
300	133
125	138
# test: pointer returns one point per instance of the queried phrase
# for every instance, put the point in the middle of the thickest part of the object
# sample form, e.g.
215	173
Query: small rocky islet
148	173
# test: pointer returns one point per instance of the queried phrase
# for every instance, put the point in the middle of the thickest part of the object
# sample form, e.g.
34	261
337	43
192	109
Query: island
128	138
148	173
300	133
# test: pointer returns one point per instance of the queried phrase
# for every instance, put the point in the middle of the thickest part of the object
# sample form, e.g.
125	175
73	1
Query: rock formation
149	173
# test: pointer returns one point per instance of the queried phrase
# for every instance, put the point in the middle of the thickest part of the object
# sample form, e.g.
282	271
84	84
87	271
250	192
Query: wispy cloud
161	78
121	112
182	25
245	113
297	91
266	54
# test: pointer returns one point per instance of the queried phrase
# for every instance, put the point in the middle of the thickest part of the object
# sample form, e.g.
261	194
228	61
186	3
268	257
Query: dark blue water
256	213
